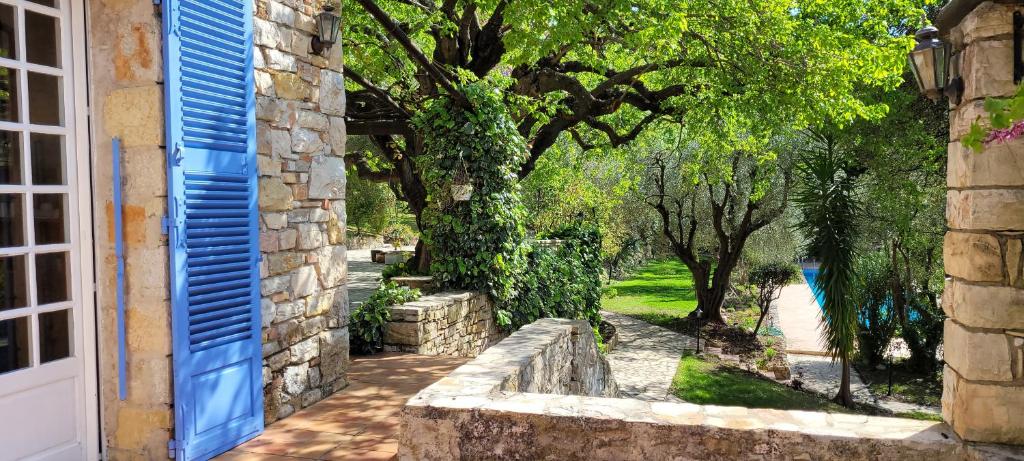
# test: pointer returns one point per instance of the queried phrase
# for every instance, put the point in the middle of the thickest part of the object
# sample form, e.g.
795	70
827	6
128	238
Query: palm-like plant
829	207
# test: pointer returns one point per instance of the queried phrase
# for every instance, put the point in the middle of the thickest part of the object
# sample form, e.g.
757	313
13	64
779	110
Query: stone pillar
126	75
300	106
983	399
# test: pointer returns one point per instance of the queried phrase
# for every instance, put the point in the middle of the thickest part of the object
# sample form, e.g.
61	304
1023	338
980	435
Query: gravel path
821	376
645	360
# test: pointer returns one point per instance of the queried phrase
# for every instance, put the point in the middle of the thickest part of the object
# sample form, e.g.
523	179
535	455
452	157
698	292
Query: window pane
13	293
42	37
51	278
47	159
12	233
44	99
50	3
54	335
8	33
10	157
9	95
14	345
50	211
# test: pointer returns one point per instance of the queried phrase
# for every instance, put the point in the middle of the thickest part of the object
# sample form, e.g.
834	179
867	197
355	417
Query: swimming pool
811	274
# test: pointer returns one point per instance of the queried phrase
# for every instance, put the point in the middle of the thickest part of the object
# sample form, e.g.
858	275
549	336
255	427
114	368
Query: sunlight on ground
662	288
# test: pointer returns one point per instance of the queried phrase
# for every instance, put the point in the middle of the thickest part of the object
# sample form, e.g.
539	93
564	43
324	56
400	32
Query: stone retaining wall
459	324
483	411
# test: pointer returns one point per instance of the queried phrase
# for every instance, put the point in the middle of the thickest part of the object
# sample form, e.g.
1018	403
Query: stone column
983	399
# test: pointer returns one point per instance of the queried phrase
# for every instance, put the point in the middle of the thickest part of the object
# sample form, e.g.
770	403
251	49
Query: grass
661	290
707	383
908	385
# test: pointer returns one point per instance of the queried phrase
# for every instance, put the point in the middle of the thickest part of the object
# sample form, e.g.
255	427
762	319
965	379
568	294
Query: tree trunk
845	397
764	313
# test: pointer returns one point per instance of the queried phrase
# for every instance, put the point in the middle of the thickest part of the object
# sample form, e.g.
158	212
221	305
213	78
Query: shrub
872	294
769	279
367	321
396	270
398	234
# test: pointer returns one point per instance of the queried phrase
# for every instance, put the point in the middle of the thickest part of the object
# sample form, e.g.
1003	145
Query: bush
769	279
398	234
875	321
367	322
396	270
370	206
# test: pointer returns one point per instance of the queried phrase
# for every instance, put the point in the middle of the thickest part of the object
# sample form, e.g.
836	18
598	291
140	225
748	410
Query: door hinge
172	449
165	225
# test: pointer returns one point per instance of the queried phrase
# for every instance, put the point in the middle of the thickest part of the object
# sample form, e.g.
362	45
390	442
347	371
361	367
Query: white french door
47	401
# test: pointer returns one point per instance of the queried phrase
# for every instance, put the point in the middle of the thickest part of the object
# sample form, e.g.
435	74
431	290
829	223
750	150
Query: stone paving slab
646	358
821	376
800	319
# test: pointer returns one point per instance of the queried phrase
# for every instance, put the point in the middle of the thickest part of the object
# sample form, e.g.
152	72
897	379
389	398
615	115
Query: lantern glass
922	63
328	25
930	62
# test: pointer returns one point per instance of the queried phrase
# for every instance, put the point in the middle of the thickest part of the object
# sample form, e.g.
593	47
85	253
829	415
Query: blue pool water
812	279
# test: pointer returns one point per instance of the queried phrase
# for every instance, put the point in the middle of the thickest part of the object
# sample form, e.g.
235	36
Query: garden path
799	319
359	422
646	357
821	376
363	275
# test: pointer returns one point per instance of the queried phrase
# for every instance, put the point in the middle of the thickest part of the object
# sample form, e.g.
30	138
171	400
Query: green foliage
875	321
1003	114
367	322
370	207
772	276
398	234
660	289
480	243
397	270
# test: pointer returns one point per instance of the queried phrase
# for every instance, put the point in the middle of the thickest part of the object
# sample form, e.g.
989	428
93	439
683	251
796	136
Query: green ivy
367	322
480	243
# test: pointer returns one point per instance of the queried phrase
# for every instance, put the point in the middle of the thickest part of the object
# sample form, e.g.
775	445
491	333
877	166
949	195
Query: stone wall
301	144
490	408
126	85
458	324
984	298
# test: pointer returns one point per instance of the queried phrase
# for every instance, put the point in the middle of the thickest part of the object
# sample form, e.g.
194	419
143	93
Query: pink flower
1006	134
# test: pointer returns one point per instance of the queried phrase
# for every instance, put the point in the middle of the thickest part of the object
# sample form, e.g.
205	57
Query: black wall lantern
929	61
327	26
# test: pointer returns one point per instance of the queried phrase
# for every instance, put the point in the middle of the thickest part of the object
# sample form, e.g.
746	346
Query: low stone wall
503	405
459	324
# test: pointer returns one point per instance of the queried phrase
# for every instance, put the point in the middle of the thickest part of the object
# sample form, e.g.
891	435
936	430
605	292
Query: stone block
303	282
983	412
268	310
280	13
136	425
310	236
337	137
135	114
1014	261
312	326
313	120
148	328
305	141
280	60
145	173
264	86
275	195
1000	165
319	215
312	397
314	377
296	379
268	166
150	379
984	306
289	86
999	209
288	239
282	262
974	257
327	178
266	33
289	310
334	354
280	143
309	73
305	350
271	285
275	220
961	118
978	355
988	20
278	361
332	265
332	93
404	333
268	242
987	69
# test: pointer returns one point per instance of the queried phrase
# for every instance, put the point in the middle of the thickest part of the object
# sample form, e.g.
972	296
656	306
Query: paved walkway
820	375
645	360
359	422
799	319
363	275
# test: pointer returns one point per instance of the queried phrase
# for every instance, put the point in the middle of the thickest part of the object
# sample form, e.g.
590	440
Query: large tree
601	72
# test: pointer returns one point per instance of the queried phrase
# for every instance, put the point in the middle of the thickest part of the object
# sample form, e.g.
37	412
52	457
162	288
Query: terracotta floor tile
357	455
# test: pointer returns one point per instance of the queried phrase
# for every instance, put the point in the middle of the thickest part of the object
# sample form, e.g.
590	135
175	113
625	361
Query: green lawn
661	289
706	383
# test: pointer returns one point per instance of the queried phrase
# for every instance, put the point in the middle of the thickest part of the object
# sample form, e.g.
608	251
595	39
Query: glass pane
47	159
9	95
8	33
12	233
50	212
50	3
42	37
44	99
52	278
10	157
13	293
54	335
14	344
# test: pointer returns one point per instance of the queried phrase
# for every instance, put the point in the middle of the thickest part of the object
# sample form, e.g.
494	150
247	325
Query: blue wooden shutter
214	240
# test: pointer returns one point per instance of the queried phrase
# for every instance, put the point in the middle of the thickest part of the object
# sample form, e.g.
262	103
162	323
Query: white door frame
79	214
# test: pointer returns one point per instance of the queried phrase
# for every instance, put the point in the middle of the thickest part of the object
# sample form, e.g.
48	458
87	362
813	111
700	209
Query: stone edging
459	324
